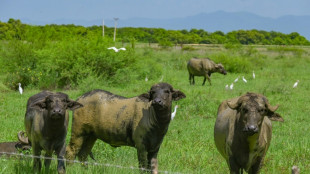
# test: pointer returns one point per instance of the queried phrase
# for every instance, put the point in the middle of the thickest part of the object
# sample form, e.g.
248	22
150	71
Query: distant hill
217	21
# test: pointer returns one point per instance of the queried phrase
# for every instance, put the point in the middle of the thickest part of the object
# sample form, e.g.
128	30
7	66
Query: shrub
188	48
238	63
63	63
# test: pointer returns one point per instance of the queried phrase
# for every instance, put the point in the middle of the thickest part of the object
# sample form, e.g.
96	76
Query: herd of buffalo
242	131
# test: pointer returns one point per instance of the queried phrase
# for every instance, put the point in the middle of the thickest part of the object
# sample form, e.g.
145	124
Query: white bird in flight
236	80
253	75
20	88
244	79
295	84
231	86
116	50
174	112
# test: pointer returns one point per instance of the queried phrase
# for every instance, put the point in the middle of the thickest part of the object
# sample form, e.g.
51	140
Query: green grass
188	146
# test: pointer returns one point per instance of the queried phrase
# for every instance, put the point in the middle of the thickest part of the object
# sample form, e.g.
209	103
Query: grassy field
189	146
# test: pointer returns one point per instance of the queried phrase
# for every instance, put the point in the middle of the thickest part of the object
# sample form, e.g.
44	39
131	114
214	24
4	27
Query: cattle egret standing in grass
226	87
236	80
146	79
244	79
116	50
295	84
174	112
162	78
253	75
231	86
20	88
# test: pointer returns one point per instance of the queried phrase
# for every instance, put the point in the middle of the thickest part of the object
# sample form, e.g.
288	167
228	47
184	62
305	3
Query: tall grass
188	146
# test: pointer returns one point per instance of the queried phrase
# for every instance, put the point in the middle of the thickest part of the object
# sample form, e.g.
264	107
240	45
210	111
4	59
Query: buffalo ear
145	97
177	95
39	105
233	105
275	117
72	105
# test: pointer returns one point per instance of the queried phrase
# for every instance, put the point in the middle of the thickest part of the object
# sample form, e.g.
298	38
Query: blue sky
48	10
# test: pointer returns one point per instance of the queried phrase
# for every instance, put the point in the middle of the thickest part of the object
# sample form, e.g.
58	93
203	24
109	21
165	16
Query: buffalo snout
57	113
251	129
159	103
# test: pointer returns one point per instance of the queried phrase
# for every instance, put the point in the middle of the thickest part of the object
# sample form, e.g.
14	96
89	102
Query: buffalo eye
167	91
261	110
245	110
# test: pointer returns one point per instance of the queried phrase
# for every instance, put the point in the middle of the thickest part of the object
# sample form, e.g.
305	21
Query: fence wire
85	163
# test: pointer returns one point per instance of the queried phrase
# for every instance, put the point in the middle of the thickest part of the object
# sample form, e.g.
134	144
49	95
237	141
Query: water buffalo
242	131
10	148
139	122
46	123
203	67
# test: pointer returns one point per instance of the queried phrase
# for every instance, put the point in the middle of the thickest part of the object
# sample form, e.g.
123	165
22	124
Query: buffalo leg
86	148
142	157
47	160
233	167
204	80
36	160
256	166
60	159
193	79
206	77
152	162
74	147
190	79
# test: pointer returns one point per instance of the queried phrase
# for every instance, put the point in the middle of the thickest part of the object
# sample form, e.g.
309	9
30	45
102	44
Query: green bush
188	48
65	64
239	63
165	43
61	64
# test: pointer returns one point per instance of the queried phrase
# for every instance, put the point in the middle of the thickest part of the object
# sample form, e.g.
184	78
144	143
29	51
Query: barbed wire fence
22	155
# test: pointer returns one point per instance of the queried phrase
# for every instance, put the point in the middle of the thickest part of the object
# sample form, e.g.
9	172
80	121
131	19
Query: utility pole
102	27
115	22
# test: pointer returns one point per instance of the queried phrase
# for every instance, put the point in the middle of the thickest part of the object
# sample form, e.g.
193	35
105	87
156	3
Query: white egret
116	50
146	79
253	75
162	78
295	84
174	112
236	80
231	86
20	88
244	79
226	87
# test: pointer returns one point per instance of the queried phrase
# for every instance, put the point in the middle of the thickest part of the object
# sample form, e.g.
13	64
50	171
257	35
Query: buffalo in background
11	148
203	67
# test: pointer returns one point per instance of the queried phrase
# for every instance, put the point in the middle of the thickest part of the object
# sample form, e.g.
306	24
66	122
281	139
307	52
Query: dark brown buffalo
139	122
203	67
242	131
46	123
11	148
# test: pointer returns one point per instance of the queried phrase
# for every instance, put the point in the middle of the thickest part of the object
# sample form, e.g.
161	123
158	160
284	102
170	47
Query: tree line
15	29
